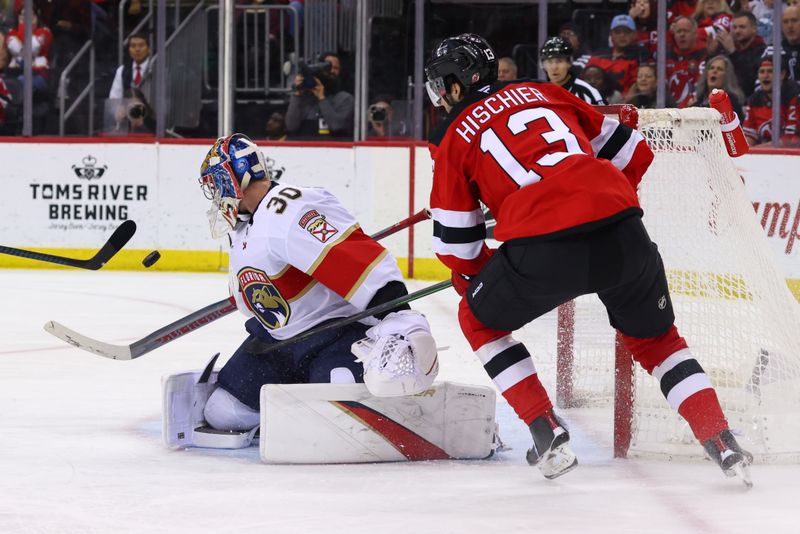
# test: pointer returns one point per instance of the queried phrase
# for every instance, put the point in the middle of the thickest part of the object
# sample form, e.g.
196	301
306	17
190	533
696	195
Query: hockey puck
151	258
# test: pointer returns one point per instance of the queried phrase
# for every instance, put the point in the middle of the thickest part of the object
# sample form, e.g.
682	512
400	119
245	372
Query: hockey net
731	304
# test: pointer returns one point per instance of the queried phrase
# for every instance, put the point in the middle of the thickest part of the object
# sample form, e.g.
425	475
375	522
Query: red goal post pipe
623	360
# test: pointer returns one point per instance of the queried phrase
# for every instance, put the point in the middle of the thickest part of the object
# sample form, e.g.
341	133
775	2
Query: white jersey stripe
606	131
686	388
464	251
493	348
515	374
457	219
674	359
625	153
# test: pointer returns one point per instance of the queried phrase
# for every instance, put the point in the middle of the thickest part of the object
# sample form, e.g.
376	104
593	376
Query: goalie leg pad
185	397
340	423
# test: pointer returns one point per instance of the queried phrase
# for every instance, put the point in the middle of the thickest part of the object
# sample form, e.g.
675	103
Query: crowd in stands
710	44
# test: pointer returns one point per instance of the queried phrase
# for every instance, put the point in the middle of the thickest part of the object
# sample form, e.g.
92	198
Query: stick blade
107	350
118	239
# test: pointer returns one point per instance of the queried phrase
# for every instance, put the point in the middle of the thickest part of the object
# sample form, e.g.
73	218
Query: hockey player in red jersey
560	179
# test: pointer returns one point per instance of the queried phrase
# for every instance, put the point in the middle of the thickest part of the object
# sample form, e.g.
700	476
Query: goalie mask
466	58
232	164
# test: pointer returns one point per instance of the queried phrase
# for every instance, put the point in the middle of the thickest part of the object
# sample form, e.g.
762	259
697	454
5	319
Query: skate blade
742	471
557	462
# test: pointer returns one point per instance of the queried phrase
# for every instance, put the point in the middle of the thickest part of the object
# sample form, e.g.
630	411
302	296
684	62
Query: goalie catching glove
399	355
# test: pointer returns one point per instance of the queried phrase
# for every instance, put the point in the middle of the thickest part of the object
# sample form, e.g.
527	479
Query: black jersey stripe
506	359
679	373
615	143
457	236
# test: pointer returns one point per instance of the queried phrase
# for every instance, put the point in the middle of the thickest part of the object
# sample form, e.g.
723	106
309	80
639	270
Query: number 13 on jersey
518	124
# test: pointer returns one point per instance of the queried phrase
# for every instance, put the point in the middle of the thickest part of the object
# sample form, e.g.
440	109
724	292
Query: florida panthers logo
263	298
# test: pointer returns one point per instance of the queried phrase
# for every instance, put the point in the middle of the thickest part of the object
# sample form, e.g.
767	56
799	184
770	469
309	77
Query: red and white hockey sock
689	391
511	368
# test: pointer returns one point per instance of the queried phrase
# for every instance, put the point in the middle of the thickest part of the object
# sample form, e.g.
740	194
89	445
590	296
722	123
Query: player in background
556	57
561	180
299	259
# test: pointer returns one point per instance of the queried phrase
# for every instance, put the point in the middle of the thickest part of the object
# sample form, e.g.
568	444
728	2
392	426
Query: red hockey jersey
758	112
543	161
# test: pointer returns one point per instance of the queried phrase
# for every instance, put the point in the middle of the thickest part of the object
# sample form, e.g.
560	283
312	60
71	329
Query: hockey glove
399	355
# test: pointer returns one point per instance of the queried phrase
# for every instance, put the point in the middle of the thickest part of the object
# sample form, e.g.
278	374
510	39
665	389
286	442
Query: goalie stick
186	324
118	239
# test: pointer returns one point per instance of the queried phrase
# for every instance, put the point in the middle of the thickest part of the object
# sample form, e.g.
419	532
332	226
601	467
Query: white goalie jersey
302	259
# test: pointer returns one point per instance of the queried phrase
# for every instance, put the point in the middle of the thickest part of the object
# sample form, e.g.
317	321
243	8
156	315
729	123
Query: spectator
744	47
643	93
762	10
600	80
719	74
382	122
506	69
319	107
680	8
623	58
758	124
132	74
790	47
556	55
712	16
40	50
8	15
685	60
643	13
134	116
580	52
276	127
70	21
5	99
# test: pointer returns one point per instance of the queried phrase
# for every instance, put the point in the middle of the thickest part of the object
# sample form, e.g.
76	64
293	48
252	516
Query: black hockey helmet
466	58
556	47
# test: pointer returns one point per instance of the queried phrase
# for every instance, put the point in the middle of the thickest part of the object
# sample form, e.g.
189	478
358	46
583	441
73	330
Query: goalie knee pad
223	411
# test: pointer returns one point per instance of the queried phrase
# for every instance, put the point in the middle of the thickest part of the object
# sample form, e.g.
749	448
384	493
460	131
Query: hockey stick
118	239
259	347
186	324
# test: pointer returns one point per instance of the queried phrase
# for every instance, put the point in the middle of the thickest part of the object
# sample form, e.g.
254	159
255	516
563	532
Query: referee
556	58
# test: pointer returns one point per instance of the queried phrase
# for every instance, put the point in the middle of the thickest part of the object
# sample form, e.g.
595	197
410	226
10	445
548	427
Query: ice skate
551	452
731	458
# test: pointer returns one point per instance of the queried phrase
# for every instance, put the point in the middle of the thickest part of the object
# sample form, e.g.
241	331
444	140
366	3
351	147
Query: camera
377	113
136	111
311	71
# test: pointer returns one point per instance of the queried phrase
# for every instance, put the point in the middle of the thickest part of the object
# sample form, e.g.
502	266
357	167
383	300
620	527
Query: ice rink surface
81	452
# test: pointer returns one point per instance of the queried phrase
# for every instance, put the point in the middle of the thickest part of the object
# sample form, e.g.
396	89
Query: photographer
133	115
319	108
382	123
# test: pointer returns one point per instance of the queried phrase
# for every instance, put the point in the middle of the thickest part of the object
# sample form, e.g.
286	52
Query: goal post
731	303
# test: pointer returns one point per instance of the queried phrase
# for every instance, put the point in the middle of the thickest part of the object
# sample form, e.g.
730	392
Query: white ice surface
81	452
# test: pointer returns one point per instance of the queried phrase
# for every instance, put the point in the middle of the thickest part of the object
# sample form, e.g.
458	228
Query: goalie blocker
339	423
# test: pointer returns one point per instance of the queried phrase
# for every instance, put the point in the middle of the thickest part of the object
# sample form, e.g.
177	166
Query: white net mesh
731	302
